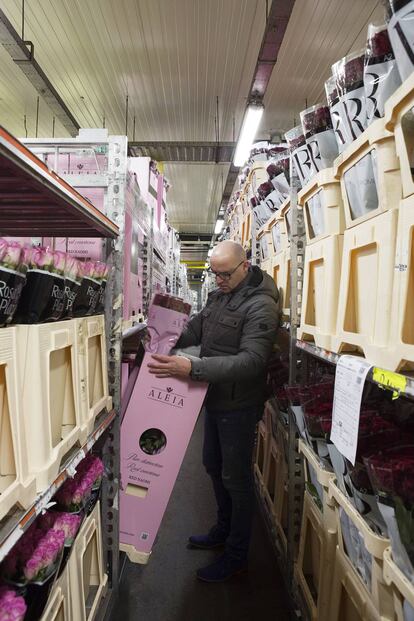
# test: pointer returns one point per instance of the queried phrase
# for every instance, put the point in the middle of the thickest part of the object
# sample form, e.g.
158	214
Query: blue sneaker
214	539
224	568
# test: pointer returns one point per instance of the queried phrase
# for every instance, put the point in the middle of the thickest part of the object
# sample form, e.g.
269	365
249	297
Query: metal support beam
24	59
194	152
276	24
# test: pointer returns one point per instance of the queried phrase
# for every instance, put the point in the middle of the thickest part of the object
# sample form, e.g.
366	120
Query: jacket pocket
227	332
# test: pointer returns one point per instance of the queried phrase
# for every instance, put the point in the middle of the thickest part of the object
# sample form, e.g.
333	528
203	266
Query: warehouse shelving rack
35	201
304	358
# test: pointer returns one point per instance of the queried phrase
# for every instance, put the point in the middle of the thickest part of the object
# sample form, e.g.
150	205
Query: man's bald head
228	257
229	249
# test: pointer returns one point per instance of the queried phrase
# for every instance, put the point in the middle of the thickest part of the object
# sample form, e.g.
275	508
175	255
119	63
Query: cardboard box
157	427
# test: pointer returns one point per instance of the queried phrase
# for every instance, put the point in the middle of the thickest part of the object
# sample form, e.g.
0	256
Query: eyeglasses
224	275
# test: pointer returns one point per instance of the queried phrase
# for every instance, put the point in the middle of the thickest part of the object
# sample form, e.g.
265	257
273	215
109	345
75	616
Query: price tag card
351	373
387	379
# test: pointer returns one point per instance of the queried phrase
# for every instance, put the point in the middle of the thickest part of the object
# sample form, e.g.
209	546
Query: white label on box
351	373
401	33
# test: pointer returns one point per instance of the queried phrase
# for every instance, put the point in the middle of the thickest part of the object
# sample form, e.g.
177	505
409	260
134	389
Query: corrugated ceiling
172	58
319	33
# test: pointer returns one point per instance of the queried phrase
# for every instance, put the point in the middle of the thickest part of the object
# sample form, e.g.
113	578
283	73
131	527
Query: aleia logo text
167	396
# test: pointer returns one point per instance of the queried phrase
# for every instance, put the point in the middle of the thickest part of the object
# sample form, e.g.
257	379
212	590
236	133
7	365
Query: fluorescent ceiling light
251	122
219	226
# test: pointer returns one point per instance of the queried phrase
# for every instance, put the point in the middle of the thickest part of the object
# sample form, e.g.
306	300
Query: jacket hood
256	283
260	282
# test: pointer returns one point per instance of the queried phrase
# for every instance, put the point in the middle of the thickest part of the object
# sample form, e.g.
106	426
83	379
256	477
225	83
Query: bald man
236	331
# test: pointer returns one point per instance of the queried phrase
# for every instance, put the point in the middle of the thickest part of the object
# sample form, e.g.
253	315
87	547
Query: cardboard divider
265	243
280	273
271	472
286	283
258	175
92	371
17	486
364	550
349	599
261	452
47	367
59	606
275	488
286	215
267	266
322	275
402	588
246	232
316	560
318	477
323	210
88	580
244	200
277	229
371	157
399	120
366	287
399	354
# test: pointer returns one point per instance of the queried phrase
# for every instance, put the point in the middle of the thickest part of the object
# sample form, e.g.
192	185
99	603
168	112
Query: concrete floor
167	590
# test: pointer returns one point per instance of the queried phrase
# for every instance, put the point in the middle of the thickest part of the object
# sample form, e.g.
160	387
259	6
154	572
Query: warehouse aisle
167	590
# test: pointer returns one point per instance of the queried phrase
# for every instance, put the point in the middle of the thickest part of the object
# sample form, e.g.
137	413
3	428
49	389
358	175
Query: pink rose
99	270
72	267
11	257
89	269
42	259
3	248
59	261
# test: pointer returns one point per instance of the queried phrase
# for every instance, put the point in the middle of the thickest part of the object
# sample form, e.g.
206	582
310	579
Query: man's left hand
169	366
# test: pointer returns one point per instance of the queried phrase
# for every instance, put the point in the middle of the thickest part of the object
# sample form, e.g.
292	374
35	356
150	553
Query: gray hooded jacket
236	332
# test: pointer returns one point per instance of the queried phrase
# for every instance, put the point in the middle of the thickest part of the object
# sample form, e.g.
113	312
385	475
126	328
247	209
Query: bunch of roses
279	165
13	256
322	118
68	523
375	434
295	138
310	393
173	303
74	492
392	472
264	190
318	417
12	606
34	555
95	270
47	260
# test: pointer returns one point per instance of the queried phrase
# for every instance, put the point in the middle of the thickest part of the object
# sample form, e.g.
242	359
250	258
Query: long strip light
219	226
251	121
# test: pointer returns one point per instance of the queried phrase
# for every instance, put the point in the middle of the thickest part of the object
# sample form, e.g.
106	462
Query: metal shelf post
295	474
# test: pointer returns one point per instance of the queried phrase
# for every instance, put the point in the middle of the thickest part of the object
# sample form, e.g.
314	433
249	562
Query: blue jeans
227	457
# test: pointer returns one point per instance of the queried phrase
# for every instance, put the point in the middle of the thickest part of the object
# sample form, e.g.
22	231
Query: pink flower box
160	415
